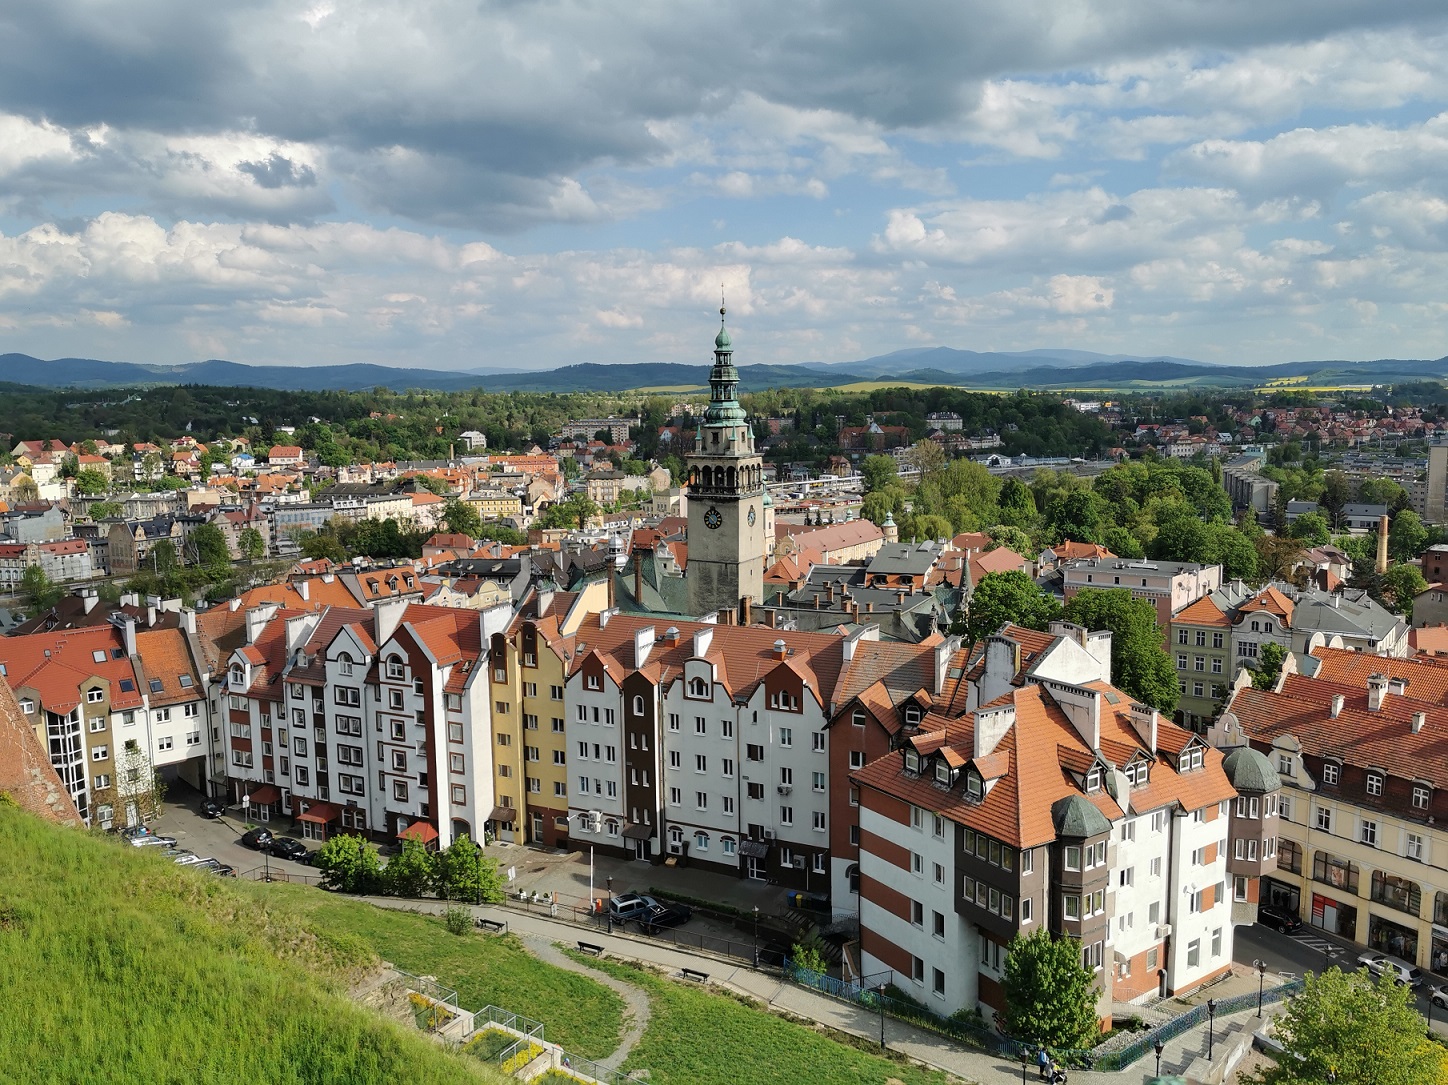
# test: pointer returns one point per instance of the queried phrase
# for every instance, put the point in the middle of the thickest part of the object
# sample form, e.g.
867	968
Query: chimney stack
1337	702
1383	544
1377	690
1419	718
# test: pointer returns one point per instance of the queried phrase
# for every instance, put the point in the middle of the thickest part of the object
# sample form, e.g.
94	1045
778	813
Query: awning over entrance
320	813
753	849
505	814
419	830
264	795
638	832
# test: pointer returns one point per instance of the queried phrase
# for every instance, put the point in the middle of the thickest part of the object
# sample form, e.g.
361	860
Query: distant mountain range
1059	369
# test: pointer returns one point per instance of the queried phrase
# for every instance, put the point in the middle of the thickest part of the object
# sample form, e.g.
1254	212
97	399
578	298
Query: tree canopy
1050	996
1140	666
1009	596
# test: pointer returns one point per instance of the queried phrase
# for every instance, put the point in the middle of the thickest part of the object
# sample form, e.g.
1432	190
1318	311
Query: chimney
1144	720
830	591
869	607
89	598
234	604
188	620
638	576
304	589
780	649
1377	690
150	617
1382	544
899	598
943	651
817	600
1337	702
1419	718
129	632
545	600
643	644
746	611
1398	686
702	639
991	726
725	616
386	617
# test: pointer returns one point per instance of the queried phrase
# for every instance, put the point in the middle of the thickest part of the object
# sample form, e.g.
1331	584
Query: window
1217	942
346	696
1194	953
786	815
701	841
701	726
701	800
100	753
1181	636
1028	862
241	758
1181	663
399	790
1421	795
676	796
555	692
1375	784
937	924
102	781
1199	663
786	736
754	752
95	696
673	720
817	741
1026	909
917	913
1324	819
755	791
166	743
1331	772
1071	906
726	728
1368	833
399	760
1091	956
1413	847
1073	857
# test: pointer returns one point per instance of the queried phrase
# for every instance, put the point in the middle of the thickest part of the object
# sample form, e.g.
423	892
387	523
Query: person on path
1043	1061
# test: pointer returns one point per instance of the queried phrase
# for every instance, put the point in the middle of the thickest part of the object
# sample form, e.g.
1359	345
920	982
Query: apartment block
1059	804
1357	742
1167	585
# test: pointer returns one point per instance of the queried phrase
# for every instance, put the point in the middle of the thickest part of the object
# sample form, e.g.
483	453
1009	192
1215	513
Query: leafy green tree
1010	596
1012	538
208	545
1361	1031
808	955
1310	529
1121	542
1076	516
410	873
41	592
251	544
1232	550
1336	493
1400	584
1140	666
322	544
464	873
1017	505
349	865
876	506
877	472
1276	556
497	532
105	510
1407	536
570	515
1269	665
92	483
930	527
1050	996
462	519
163	557
568	465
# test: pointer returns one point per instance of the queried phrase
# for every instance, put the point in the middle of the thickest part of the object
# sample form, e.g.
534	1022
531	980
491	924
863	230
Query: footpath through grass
695	1036
118	966
580	1013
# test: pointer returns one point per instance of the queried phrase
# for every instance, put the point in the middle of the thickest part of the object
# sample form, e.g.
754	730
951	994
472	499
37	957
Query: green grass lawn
118	966
579	1013
695	1036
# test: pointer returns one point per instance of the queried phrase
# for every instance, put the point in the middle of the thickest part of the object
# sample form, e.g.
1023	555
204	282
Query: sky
453	185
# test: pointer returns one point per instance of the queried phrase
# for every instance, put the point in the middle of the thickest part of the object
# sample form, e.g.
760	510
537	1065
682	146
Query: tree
1012	538
251	544
1077	516
1400	584
1017	505
411	872
464	873
349	865
927	457
1140	666
462	519
139	787
1277	555
1336	492
105	510
1407	537
42	592
92	483
568	515
1269	665
1050	996
1310	528
1010	596
163	557
322	544
877	472
1365	1032
208	545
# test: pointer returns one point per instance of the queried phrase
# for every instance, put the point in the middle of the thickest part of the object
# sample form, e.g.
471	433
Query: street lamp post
1430	1013
756	949
1025	1061
881	993
246	809
1158	1047
1211	1025
1261	967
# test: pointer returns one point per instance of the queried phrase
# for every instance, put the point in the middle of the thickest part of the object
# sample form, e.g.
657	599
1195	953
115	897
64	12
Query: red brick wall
882	896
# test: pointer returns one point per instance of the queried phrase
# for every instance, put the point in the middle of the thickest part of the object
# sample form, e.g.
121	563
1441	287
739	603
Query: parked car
190	860
214	866
1279	919
258	839
153	840
1438	996
630	906
210	808
284	847
660	916
1380	964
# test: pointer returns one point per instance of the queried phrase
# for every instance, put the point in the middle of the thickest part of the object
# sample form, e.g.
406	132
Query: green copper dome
722	340
1075	817
1249	770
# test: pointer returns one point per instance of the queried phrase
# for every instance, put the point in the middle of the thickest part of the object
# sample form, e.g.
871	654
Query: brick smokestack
1383	544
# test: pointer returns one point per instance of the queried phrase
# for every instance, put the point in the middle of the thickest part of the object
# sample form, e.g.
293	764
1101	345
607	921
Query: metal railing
1192	1018
262	874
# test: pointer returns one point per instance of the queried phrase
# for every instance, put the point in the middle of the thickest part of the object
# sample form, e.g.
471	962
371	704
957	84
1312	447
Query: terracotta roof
831	537
164	657
1432	639
1202	612
1271	600
56	665
1072	551
1426	677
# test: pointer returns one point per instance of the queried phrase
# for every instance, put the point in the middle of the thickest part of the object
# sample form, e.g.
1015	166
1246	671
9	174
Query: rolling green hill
120	967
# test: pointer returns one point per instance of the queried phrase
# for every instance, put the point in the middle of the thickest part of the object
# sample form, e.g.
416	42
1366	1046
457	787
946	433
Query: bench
589	947
694	974
496	926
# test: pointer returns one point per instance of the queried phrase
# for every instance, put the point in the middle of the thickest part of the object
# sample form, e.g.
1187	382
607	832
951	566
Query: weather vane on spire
721	303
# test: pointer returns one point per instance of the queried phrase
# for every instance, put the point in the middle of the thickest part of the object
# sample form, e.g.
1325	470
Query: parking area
221	838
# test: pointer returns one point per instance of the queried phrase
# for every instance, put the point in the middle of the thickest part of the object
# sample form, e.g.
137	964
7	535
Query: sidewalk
933	1050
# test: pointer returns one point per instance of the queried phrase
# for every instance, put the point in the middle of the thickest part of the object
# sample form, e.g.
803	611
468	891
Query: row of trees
349	864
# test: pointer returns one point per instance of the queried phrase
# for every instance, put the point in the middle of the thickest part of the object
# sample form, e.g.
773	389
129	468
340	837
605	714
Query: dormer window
592	681
698	687
912	715
395	668
638	705
1190	759
1093	780
974	786
942	773
1375	785
912	761
344	664
857	717
238	676
1138	775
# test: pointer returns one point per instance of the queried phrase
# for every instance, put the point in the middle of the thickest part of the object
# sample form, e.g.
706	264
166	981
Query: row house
1058	804
1357	742
527	668
373	721
710	743
113	706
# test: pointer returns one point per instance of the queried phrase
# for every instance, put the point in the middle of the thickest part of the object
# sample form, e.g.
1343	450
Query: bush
457	919
349	864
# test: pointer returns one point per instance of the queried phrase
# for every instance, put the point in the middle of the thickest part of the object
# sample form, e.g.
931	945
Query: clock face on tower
751	515
712	519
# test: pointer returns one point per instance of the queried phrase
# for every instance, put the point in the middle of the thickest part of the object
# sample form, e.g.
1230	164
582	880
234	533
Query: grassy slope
577	1012
120	967
695	1036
